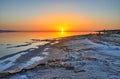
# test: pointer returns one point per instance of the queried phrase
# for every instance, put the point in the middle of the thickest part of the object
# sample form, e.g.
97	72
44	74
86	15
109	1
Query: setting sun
62	29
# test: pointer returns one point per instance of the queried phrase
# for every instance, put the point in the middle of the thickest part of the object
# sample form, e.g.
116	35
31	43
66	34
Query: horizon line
1	30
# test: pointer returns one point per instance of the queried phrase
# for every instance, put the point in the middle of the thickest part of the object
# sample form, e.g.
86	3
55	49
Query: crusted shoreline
74	57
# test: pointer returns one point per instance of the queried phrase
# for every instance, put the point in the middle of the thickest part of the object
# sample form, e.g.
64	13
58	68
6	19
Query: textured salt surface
6	63
105	48
32	61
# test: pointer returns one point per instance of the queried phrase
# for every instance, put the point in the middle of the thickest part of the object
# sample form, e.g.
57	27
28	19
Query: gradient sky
54	15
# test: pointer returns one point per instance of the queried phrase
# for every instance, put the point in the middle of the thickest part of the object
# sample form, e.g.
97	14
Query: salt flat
75	57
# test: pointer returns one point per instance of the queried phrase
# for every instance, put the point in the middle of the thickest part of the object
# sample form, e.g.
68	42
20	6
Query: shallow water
9	40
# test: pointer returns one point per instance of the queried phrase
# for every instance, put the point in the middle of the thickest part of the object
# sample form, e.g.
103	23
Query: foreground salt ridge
6	63
33	61
10	60
89	59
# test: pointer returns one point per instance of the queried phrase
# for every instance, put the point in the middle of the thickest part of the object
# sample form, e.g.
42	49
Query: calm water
22	38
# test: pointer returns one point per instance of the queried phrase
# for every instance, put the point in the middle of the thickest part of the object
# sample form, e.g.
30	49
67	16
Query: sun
62	29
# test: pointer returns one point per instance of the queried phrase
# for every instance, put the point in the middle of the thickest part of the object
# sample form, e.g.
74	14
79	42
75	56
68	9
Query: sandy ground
75	57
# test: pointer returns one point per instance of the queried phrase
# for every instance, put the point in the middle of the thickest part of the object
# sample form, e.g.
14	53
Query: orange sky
56	22
58	15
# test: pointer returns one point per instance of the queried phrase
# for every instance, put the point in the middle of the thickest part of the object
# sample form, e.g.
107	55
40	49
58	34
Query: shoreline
48	40
62	56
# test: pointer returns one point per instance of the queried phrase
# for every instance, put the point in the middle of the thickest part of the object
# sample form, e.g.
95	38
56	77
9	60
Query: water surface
9	40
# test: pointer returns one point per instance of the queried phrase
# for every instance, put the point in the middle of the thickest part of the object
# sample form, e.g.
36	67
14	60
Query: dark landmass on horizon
2	31
8	31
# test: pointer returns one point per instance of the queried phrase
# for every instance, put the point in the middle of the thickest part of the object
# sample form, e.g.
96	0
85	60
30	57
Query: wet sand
74	57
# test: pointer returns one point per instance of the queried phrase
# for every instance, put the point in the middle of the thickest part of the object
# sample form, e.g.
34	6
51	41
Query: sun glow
60	22
62	30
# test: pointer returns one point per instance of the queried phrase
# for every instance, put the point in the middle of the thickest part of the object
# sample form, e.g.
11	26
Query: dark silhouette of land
100	31
8	31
